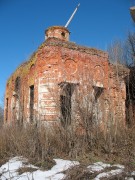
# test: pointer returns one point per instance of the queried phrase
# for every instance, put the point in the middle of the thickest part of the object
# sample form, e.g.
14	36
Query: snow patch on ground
10	170
108	174
98	166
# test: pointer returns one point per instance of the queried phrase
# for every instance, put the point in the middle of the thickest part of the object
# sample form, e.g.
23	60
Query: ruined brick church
64	82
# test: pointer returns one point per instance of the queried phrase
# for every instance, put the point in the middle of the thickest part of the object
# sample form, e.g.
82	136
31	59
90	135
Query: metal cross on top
70	19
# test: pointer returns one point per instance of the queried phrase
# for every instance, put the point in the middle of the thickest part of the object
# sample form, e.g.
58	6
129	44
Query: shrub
40	146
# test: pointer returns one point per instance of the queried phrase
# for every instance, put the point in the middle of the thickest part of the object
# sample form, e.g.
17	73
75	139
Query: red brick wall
57	62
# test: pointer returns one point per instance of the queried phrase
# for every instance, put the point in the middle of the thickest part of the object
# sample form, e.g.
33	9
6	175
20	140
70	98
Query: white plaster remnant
45	96
51	113
49	84
47	103
98	84
43	89
48	111
35	106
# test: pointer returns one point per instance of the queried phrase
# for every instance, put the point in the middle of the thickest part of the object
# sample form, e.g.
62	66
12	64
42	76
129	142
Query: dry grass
79	173
41	146
116	177
26	169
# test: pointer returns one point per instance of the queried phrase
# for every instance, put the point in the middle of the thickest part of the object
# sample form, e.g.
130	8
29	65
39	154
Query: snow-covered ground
10	170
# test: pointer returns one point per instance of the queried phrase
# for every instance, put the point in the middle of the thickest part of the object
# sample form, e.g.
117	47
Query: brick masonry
96	86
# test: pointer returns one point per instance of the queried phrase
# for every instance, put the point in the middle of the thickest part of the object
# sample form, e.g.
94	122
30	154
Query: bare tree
129	49
116	52
123	52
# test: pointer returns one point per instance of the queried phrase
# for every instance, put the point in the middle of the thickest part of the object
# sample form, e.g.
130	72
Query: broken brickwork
62	82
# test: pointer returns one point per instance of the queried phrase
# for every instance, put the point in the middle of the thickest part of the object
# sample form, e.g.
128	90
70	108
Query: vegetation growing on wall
23	69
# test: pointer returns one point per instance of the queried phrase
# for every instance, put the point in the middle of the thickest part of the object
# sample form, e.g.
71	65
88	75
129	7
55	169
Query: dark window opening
130	103
65	102
97	92
17	85
6	109
67	90
63	34
130	97
32	103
